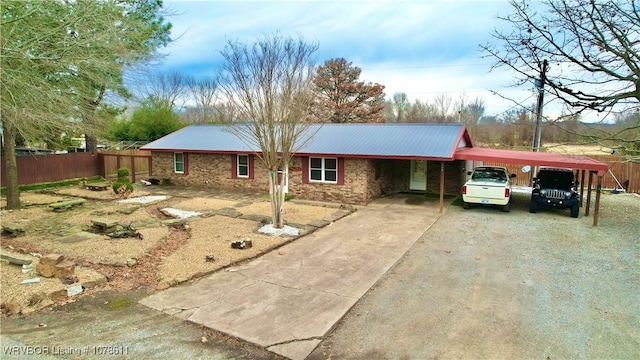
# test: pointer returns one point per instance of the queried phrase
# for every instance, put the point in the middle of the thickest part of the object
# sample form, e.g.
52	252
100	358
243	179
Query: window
323	169
178	163
243	166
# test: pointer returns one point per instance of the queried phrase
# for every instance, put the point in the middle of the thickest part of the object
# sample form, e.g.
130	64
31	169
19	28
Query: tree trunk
276	196
91	142
11	168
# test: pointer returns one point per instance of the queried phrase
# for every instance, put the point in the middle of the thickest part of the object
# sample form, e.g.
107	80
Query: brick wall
214	171
364	179
454	177
209	171
357	174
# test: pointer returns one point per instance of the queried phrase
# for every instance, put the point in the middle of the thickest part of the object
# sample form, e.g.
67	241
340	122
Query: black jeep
555	187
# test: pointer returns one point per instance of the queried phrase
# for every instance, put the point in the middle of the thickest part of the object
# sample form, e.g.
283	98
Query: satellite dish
526	169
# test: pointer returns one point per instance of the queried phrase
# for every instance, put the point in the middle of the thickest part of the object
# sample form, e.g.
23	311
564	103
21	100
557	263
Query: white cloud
423	48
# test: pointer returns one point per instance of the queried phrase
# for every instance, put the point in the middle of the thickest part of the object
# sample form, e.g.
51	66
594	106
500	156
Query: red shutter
250	166
340	171
185	158
305	170
234	166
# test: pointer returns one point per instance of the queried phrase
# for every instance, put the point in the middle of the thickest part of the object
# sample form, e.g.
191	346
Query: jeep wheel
575	210
533	207
466	205
507	208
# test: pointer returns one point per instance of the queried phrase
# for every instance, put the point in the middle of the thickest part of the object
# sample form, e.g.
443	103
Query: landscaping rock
242	244
128	210
319	223
230	212
175	222
27	268
74	290
12	308
78	237
15	260
30	281
54	265
131	262
51	259
64	269
258	218
12	230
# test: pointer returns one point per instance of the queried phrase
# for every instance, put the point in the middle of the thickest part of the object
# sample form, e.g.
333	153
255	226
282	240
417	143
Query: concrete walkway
288	299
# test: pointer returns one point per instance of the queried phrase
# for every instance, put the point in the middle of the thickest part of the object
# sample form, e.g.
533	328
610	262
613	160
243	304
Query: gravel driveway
485	284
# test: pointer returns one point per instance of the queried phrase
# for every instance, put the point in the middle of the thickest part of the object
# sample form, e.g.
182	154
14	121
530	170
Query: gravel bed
166	256
213	237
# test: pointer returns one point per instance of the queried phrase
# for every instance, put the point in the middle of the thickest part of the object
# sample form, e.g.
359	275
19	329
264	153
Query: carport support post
586	211
596	209
581	186
441	186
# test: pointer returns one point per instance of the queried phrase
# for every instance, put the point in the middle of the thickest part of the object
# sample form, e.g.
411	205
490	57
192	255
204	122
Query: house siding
364	179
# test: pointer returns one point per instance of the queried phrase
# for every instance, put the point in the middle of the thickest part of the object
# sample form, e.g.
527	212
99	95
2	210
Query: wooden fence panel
34	169
137	161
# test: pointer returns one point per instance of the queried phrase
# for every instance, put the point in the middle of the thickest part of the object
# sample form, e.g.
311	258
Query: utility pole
537	127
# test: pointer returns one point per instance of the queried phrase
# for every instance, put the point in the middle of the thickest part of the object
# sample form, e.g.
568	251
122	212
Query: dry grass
573	149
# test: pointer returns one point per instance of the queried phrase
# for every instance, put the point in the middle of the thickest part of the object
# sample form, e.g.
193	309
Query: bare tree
475	110
421	112
443	105
205	94
170	87
268	84
401	106
591	47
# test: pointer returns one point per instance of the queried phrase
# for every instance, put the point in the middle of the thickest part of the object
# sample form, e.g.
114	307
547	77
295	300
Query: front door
418	178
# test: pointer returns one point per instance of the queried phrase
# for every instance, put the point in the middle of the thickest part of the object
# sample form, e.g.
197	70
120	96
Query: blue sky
423	48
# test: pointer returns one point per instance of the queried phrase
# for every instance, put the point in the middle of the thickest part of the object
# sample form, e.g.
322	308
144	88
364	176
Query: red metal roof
532	158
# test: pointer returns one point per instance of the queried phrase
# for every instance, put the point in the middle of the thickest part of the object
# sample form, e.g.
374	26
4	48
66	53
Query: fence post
133	169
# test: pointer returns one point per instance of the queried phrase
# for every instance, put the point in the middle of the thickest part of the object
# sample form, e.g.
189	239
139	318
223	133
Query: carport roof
532	158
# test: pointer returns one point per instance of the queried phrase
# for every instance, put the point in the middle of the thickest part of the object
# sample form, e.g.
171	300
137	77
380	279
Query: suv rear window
561	180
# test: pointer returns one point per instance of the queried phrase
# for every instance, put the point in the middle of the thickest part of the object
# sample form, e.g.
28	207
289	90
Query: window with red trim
323	170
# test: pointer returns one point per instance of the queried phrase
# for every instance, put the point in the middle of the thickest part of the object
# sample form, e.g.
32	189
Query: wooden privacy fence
36	169
137	161
621	169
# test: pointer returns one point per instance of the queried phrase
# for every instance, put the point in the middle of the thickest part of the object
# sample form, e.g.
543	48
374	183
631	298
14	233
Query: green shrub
123	173
128	186
123	185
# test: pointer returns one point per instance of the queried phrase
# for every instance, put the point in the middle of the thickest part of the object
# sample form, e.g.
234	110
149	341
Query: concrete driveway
287	300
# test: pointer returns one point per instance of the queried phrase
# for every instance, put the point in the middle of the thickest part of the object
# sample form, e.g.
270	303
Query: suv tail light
464	190
507	192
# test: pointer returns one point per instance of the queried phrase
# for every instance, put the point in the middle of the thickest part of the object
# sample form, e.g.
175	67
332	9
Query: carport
582	164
